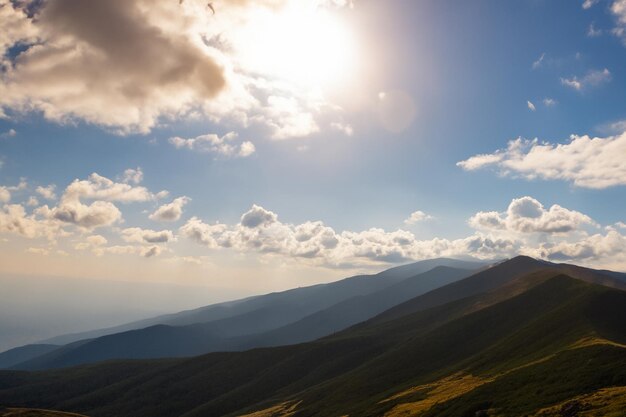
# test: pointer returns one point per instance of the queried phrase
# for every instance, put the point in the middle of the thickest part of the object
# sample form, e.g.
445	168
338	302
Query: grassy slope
352	372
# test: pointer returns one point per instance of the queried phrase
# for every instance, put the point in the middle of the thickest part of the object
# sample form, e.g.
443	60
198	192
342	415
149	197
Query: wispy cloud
223	145
530	106
593	78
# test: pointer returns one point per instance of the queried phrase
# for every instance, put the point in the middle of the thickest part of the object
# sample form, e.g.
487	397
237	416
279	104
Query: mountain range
522	337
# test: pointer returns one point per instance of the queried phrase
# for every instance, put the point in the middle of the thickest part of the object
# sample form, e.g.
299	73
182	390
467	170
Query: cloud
586	162
593	78
144	251
258	216
5	195
593	32
47	192
618	8
138	235
124	78
170	212
260	231
549	102
531	106
132	65
416	217
527	215
8	134
15	220
101	212
132	176
212	143
539	62
588	4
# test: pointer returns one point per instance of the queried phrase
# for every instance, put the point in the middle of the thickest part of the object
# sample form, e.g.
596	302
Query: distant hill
311	299
21	354
521	344
268	325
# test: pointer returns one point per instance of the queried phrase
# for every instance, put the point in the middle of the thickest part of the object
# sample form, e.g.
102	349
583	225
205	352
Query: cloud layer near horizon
97	204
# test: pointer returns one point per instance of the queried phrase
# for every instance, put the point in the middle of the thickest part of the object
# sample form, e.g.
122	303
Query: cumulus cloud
102	211
225	145
132	176
417	216
260	231
47	192
138	235
258	216
593	78
498	235
130	65
15	220
170	212
586	162
5	195
618	8
527	215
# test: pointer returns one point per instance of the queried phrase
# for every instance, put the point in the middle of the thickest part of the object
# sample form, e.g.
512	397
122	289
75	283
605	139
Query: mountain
308	300
252	329
24	353
540	343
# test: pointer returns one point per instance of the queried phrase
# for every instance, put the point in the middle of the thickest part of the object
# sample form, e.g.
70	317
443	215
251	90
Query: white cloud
587	162
588	4
138	235
549	102
5	195
618	8
261	232
15	220
8	134
527	215
539	62
224	145
417	216
258	216
593	78
163	62
344	128
170	212
39	251
32	201
132	176
47	192
531	106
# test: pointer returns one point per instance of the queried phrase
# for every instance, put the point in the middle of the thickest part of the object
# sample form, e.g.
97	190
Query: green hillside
535	344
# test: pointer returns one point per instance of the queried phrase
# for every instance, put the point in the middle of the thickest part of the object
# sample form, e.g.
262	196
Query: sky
273	144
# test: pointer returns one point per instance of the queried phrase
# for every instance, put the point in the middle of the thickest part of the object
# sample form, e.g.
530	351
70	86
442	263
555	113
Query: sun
311	46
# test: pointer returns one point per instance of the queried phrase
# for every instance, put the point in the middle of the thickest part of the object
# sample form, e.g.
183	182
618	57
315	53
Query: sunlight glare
308	46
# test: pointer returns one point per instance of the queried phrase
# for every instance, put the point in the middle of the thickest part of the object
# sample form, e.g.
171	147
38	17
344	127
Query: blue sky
338	151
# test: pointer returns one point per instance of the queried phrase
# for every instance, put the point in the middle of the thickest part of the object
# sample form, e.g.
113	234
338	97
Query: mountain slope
309	299
253	329
542	337
353	310
21	354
